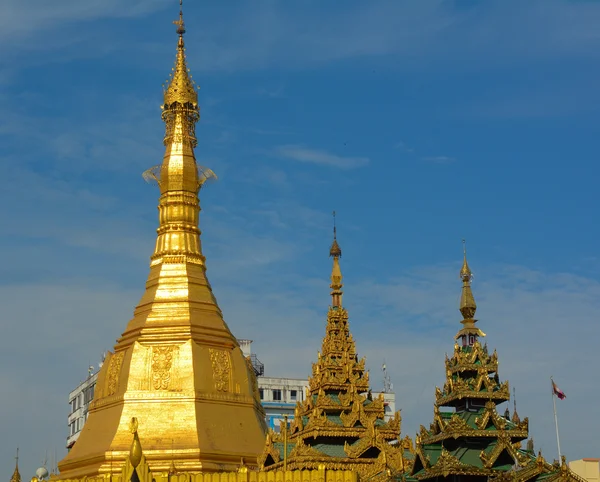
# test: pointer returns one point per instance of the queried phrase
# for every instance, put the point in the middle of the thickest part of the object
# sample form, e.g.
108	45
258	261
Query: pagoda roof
473	439
339	423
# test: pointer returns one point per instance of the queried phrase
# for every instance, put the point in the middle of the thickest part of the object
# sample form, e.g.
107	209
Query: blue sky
420	122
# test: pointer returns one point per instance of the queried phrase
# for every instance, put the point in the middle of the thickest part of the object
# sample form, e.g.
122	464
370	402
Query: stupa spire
177	360
467	301
336	273
181	87
469	333
16	476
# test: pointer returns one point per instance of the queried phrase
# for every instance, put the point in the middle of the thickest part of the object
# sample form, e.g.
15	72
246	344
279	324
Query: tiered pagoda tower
177	368
468	440
339	425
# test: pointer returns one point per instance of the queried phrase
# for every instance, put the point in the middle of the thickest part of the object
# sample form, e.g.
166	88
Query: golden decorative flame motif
162	358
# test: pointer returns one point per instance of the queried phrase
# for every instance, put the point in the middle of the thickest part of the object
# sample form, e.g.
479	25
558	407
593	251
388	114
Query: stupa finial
465	271
467	301
179	23
515	417
469	333
181	88
335	250
336	273
16	476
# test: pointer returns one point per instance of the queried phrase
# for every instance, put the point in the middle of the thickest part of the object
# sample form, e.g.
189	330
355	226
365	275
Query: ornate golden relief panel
114	370
158	368
221	365
162	362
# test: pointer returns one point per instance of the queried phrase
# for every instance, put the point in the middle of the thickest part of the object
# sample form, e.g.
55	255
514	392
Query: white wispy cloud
422	35
438	159
401	145
21	19
316	156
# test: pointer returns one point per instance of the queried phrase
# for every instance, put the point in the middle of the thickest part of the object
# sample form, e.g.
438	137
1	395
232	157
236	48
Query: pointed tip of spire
181	87
16	477
335	251
467	300
180	25
465	271
336	273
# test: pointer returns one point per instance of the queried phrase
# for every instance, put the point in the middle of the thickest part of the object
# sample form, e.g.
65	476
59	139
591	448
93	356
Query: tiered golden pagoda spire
339	425
468	439
176	368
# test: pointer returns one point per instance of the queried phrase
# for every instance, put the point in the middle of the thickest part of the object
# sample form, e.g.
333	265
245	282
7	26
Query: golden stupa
177	368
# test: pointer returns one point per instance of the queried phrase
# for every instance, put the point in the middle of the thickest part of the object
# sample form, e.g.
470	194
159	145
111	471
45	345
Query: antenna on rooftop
387	382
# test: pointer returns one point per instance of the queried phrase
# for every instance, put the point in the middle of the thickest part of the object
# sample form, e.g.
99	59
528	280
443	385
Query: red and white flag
557	391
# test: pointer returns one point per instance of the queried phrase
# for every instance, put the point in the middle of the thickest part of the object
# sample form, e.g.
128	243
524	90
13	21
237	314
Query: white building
79	401
278	396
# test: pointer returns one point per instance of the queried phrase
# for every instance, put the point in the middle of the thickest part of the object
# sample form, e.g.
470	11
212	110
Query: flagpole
556	420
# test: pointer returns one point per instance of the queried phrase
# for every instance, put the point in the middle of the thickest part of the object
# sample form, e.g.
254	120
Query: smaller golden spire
469	332
336	273
335	250
172	470
465	271
515	416
16	476
467	301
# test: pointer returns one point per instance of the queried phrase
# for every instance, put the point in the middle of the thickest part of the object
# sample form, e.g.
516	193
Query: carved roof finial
465	271
335	250
467	301
336	273
16	476
515	417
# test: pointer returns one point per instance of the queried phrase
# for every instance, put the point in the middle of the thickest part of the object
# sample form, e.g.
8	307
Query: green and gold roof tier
468	439
339	425
177	368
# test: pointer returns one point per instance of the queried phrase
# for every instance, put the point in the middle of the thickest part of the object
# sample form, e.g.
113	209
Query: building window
277	395
293	394
261	393
88	395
